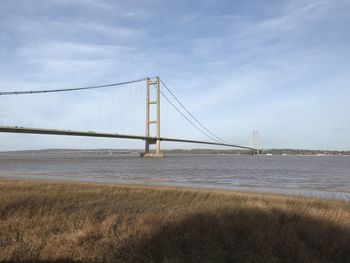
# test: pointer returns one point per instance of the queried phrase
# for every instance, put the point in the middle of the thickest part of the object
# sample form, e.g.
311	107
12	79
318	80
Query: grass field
66	222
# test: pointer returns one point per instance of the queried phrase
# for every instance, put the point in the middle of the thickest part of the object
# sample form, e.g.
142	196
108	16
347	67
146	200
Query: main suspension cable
183	115
69	89
183	106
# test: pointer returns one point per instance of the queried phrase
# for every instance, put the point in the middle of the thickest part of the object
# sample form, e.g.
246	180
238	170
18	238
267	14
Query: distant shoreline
176	152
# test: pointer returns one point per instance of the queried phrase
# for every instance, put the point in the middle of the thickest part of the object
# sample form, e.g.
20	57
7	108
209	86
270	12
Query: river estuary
316	176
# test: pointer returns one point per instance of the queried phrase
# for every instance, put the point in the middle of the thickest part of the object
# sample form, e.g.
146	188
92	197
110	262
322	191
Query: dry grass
60	222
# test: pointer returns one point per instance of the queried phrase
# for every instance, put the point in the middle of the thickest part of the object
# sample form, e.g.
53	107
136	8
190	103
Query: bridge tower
256	142
152	102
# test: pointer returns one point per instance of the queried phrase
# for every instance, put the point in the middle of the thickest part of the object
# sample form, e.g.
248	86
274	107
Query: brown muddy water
316	176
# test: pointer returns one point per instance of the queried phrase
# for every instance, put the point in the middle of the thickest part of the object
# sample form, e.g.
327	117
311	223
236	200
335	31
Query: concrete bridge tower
152	120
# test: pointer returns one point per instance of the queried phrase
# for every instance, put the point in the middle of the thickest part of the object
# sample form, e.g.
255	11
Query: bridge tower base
152	155
156	101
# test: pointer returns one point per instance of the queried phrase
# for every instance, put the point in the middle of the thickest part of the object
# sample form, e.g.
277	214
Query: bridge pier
148	153
152	140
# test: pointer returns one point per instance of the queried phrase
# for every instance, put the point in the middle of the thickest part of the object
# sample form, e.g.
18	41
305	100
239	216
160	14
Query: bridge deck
26	130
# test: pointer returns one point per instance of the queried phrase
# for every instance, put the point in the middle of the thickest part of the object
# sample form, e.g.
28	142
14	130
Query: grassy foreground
66	222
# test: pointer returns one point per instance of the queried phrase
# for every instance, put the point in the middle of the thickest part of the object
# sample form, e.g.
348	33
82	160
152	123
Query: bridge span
152	109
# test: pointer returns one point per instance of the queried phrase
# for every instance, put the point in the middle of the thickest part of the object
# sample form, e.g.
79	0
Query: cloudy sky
281	67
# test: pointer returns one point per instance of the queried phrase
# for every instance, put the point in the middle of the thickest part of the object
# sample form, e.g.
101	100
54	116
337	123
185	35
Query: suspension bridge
155	88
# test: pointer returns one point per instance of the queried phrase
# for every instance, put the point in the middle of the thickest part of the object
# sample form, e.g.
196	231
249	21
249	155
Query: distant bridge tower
152	101
257	142
3	116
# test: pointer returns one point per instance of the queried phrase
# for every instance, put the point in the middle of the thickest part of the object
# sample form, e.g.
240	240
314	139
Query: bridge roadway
16	129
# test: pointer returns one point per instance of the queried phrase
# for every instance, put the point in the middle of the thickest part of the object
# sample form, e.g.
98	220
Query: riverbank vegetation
71	222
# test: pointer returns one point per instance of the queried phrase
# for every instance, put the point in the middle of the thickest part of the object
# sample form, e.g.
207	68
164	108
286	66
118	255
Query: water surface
319	176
